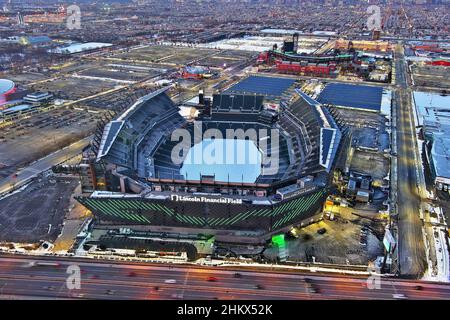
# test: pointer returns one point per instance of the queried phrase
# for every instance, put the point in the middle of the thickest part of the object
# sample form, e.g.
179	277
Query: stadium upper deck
140	138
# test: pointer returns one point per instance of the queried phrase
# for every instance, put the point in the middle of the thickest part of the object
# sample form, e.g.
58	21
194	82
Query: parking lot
72	88
32	138
25	78
229	58
170	55
117	100
118	73
36	213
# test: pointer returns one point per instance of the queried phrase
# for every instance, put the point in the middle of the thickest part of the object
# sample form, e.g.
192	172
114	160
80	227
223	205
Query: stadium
7	87
136	183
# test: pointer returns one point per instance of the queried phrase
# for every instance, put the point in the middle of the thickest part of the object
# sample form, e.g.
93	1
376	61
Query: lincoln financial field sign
175	197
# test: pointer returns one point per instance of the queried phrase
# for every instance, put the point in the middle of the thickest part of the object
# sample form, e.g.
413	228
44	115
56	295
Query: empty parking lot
37	212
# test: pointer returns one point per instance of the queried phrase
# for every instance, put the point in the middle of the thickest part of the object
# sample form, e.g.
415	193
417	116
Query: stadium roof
330	135
308	99
109	135
441	156
433	112
238	102
329	143
352	96
6	86
267	86
113	128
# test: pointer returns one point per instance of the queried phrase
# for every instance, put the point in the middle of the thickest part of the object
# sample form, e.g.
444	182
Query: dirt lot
165	54
37	212
369	140
431	76
340	244
218	60
374	164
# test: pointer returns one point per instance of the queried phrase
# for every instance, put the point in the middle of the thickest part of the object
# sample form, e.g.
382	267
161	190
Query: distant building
198	72
362	196
80	47
16	111
38	98
439	158
359	187
34	40
433	116
363	45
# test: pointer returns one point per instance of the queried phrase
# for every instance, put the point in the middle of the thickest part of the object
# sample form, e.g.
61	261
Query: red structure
429	47
7	87
443	63
195	73
308	64
305	68
263	57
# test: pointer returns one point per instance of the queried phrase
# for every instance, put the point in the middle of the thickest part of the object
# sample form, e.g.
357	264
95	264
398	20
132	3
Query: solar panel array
268	86
352	96
244	103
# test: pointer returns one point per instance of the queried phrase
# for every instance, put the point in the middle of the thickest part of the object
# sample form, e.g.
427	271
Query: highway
9	183
122	280
410	243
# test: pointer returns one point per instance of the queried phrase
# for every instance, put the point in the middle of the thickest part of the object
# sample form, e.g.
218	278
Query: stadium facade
130	179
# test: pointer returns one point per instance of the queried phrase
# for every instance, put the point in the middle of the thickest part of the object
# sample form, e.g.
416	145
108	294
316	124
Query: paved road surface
411	247
145	281
43	164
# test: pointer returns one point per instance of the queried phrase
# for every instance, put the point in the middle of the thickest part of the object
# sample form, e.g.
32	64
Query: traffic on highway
57	278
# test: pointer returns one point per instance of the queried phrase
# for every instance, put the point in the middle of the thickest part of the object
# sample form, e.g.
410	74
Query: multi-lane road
24	277
410	243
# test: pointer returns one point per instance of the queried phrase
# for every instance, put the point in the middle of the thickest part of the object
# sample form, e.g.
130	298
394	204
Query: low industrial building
433	116
38	98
